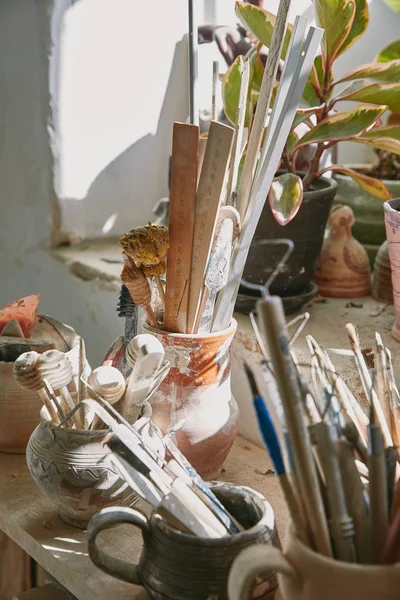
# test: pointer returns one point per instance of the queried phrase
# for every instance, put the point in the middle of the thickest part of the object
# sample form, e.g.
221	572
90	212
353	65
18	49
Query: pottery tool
193	62
391	550
356	500
273	326
271	442
207	204
378	492
184	168
367	383
351	434
382	384
394	398
81	368
260	188
236	154
127	309
214	90
260	116
341	524
216	276
145	354
56	368
109	383
139	289
26	375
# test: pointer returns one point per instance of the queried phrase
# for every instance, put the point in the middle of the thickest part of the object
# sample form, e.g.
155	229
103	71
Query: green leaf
285	197
336	17
310	95
387	71
377	93
343	125
379	132
394	4
391	52
385	143
359	25
300	117
374	186
261	24
257	71
231	81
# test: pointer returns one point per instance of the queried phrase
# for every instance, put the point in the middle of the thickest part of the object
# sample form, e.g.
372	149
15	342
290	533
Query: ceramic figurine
382	289
343	270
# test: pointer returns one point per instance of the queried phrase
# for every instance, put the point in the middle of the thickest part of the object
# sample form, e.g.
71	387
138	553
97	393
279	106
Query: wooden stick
200	158
227	298
207	204
239	130
185	146
267	85
214	90
193	62
274	329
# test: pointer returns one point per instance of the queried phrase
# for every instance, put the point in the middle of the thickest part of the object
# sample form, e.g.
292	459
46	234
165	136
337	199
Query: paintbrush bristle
126	306
252	381
369	357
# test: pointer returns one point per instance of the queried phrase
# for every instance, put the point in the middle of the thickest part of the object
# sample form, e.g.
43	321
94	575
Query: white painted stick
227	298
263	103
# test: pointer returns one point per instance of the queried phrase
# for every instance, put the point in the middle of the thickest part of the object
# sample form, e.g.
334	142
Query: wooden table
30	519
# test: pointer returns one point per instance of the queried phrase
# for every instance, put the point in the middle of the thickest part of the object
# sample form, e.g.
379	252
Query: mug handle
251	562
105	519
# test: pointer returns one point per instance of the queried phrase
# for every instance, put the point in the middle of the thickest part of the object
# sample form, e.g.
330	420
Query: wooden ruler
182	202
209	190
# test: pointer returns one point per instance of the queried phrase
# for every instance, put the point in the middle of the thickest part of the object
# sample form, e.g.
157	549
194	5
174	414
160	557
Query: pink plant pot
392	223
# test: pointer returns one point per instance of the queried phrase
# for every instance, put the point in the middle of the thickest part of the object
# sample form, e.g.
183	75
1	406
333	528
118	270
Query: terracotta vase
392	222
197	393
343	270
68	466
382	289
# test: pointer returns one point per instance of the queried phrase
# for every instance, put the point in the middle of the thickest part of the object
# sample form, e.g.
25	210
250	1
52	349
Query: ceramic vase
343	270
196	394
392	223
382	289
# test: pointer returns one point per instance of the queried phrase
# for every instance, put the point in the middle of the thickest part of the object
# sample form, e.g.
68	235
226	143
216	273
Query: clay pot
369	226
382	276
307	232
197	390
180	566
343	269
67	465
19	412
392	222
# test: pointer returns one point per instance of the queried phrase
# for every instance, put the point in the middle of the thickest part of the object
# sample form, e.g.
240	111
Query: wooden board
31	520
45	592
185	150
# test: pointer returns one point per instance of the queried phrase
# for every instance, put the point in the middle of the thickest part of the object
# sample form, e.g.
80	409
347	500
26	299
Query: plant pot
369	226
306	230
197	393
392	222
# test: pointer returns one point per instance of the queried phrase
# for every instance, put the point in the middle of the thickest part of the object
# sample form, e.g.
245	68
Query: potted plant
301	201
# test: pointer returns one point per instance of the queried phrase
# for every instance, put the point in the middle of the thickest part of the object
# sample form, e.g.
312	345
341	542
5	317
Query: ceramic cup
305	575
179	566
392	223
197	393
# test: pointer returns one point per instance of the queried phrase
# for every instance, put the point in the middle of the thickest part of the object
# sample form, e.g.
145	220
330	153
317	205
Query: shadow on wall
136	179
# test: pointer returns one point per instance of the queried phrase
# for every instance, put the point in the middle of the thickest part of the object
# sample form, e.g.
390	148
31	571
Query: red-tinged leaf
230	86
377	93
380	132
261	24
393	119
24	311
385	143
374	186
391	52
382	71
336	18
285	197
344	125
359	25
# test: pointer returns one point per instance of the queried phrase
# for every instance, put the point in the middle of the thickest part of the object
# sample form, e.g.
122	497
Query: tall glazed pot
197	395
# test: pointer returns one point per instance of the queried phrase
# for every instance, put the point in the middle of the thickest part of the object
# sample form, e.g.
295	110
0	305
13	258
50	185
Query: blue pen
271	441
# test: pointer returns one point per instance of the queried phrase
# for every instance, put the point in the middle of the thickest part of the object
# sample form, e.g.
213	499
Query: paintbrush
392	458
367	383
127	309
382	383
394	397
271	442
378	490
139	289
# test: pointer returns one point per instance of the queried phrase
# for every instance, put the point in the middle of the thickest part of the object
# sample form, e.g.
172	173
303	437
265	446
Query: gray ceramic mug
179	566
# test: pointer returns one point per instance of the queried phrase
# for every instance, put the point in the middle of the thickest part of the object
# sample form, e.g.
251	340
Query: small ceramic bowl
69	466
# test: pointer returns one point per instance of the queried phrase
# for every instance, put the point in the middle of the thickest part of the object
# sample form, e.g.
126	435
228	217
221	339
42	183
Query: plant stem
314	167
